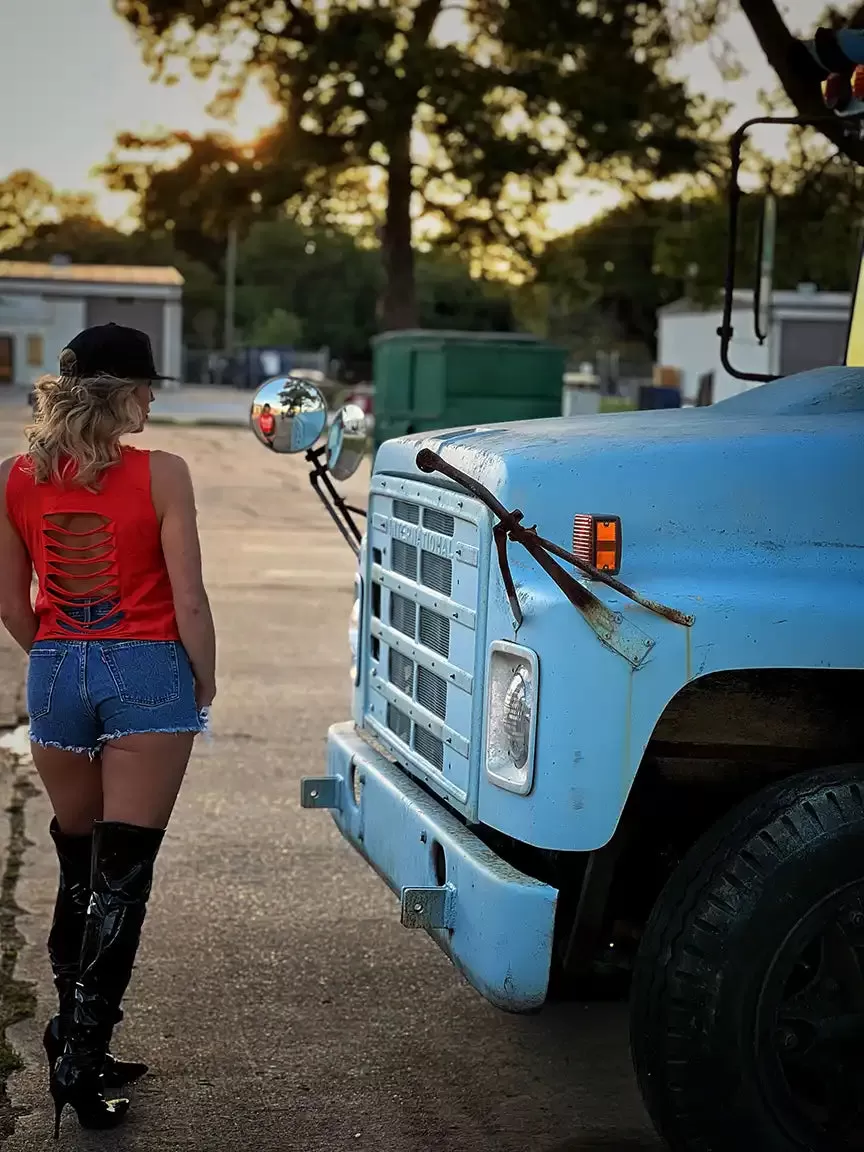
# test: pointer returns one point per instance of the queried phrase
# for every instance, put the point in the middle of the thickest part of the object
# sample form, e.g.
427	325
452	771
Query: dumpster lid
425	334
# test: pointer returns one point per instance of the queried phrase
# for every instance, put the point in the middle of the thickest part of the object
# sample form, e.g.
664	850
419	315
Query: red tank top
105	545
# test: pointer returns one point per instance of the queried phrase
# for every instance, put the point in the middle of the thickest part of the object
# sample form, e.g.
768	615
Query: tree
449	297
37	223
326	281
473	114
193	188
799	76
27	201
320	276
601	286
89	240
278	329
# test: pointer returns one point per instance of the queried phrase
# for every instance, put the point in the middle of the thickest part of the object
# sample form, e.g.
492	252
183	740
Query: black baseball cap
111	350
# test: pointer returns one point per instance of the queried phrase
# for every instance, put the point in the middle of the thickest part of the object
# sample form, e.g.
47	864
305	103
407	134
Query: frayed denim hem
202	729
91	752
109	736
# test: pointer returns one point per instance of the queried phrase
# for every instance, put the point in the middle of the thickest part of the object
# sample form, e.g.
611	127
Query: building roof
90	273
783	299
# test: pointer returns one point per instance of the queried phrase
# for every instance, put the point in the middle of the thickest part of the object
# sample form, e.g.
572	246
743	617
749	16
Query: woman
267	424
121	672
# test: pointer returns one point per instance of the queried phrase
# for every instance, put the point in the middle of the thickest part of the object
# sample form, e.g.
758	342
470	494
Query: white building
42	306
806	329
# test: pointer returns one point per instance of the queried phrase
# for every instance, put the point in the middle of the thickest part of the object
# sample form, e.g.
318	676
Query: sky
72	78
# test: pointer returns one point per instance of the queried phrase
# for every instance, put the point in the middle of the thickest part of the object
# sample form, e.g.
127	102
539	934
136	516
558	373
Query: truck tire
747	1005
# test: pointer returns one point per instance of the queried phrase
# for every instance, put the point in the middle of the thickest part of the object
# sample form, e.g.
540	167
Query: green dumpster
427	380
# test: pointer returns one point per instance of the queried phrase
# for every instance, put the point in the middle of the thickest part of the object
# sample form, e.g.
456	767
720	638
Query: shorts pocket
145	672
42	673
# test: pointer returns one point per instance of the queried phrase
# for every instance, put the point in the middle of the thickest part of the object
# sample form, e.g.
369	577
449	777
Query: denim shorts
81	693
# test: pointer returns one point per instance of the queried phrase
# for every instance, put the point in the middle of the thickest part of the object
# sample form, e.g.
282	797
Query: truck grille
424	549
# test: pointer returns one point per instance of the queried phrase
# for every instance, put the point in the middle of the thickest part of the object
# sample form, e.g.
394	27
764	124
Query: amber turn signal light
597	541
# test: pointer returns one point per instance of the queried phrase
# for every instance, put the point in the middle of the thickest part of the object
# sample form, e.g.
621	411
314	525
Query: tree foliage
296	286
331	285
28	203
194	188
38	223
473	113
798	76
601	286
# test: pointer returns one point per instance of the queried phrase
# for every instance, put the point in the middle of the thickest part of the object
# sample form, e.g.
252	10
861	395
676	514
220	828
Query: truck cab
607	732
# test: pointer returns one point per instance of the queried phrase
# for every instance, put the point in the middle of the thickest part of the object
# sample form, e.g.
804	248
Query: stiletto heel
81	1091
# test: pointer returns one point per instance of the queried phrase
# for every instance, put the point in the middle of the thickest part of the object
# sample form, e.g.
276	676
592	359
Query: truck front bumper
495	923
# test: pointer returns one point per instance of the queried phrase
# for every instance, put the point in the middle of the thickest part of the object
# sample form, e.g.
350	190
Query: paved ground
278	1000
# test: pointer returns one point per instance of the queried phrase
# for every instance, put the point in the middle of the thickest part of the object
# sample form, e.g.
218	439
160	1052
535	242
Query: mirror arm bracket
338	510
726	330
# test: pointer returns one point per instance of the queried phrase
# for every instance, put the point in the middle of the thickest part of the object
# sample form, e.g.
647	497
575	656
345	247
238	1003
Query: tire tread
758	836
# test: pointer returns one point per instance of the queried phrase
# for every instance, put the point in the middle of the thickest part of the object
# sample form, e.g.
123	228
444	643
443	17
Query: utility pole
230	287
764	284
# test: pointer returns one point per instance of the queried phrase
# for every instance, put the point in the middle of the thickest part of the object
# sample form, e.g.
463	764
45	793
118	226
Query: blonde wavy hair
77	425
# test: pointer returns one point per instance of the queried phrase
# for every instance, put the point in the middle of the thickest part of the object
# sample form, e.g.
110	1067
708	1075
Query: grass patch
617	404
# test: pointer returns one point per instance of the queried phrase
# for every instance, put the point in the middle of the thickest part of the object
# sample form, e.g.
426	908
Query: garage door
7	360
146	315
806	344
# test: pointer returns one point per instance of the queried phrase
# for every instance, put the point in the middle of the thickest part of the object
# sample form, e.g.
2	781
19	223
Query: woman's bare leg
74	785
141	776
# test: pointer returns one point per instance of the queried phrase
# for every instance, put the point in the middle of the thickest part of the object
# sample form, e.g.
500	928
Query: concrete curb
24	1120
18	992
204	421
14	750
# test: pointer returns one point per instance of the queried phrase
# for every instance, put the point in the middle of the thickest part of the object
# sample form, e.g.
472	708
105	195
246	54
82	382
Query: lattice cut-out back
81	564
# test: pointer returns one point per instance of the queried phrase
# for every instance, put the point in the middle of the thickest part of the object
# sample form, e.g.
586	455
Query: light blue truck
627	746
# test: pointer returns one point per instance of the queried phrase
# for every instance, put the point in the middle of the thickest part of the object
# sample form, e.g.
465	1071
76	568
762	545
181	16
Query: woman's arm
16	575
174	500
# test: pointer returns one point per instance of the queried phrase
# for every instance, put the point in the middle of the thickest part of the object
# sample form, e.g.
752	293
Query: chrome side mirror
288	414
346	442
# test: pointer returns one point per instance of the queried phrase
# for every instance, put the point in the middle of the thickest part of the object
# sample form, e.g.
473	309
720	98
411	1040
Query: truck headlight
511	716
354	632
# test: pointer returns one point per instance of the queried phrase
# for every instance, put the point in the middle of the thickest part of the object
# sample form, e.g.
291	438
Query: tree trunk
796	71
399	299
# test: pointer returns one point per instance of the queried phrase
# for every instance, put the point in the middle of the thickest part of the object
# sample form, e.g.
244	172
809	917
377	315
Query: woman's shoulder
160	463
168	465
13	487
170	479
12	465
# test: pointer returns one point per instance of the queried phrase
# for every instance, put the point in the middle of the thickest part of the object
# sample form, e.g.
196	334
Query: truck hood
779	466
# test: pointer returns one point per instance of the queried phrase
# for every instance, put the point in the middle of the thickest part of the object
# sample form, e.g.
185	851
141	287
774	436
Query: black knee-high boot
64	949
123	858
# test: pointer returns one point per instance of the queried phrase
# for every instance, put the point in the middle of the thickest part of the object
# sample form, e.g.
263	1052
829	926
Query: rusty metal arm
338	510
510	527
